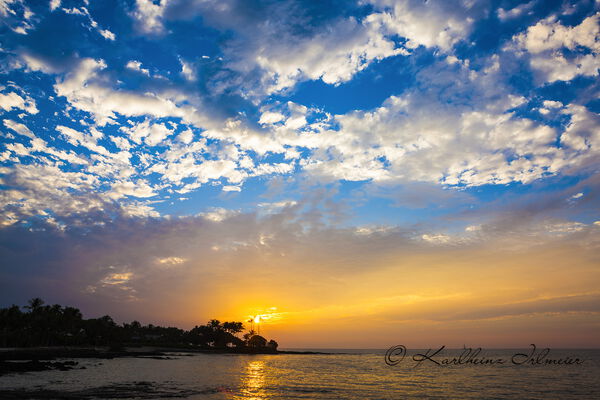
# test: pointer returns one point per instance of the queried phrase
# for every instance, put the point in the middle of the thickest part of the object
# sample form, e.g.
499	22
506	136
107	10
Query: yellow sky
494	297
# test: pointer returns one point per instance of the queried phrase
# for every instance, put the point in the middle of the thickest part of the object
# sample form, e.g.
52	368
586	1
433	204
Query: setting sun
262	316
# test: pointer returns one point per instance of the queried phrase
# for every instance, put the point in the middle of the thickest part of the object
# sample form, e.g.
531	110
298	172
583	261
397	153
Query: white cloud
219	214
77	138
334	56
466	133
431	24
188	71
436	238
268	169
582	134
553	104
420	137
270	55
576	196
32	188
13	100
148	15
276	207
137	66
117	278
551	35
562	228
215	169
76	11
559	68
106	34
121	142
269	117
84	89
129	188
84	12
151	133
19	19
19	128
186	136
5	7
54	4
515	12
34	63
170	261
546	40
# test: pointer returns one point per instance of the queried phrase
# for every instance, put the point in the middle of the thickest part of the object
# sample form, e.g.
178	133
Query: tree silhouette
257	341
54	325
233	327
34	304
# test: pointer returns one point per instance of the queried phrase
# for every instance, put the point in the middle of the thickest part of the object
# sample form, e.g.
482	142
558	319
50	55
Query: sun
262	316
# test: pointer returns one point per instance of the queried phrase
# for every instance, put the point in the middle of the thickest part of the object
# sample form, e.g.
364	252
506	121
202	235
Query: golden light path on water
253	381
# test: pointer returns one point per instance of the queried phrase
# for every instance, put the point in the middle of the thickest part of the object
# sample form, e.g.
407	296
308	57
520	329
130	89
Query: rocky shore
20	360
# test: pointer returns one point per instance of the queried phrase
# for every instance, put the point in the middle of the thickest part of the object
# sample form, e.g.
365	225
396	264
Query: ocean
347	374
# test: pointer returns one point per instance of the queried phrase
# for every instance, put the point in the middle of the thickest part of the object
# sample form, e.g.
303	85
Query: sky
363	173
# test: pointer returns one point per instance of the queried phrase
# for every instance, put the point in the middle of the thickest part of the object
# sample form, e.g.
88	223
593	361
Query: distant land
40	325
45	332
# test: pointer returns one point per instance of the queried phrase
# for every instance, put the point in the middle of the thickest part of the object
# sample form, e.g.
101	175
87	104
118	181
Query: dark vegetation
39	325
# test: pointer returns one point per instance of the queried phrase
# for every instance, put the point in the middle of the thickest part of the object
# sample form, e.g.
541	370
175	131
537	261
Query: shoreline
31	359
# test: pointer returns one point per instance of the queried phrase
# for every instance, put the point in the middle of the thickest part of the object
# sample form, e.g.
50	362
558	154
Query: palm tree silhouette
34	304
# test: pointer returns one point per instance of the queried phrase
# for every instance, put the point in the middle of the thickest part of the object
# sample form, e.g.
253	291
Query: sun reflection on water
253	383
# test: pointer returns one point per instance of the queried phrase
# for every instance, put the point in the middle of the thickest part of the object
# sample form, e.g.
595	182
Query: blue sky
456	123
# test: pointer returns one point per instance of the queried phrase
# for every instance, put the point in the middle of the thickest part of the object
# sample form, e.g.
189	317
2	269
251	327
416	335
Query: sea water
349	374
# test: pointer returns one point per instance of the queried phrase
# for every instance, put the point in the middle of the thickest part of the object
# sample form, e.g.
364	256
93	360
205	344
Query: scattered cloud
556	50
12	100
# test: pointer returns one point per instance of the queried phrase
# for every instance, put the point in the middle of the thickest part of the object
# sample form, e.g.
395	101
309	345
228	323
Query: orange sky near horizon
494	297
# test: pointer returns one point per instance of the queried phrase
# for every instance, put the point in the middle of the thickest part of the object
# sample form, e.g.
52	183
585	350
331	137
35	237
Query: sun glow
263	316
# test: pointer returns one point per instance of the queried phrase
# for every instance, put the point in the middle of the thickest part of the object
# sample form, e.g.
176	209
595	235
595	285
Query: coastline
185	374
31	359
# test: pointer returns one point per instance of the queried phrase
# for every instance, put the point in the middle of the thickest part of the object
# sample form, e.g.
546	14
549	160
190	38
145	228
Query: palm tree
248	335
35	304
